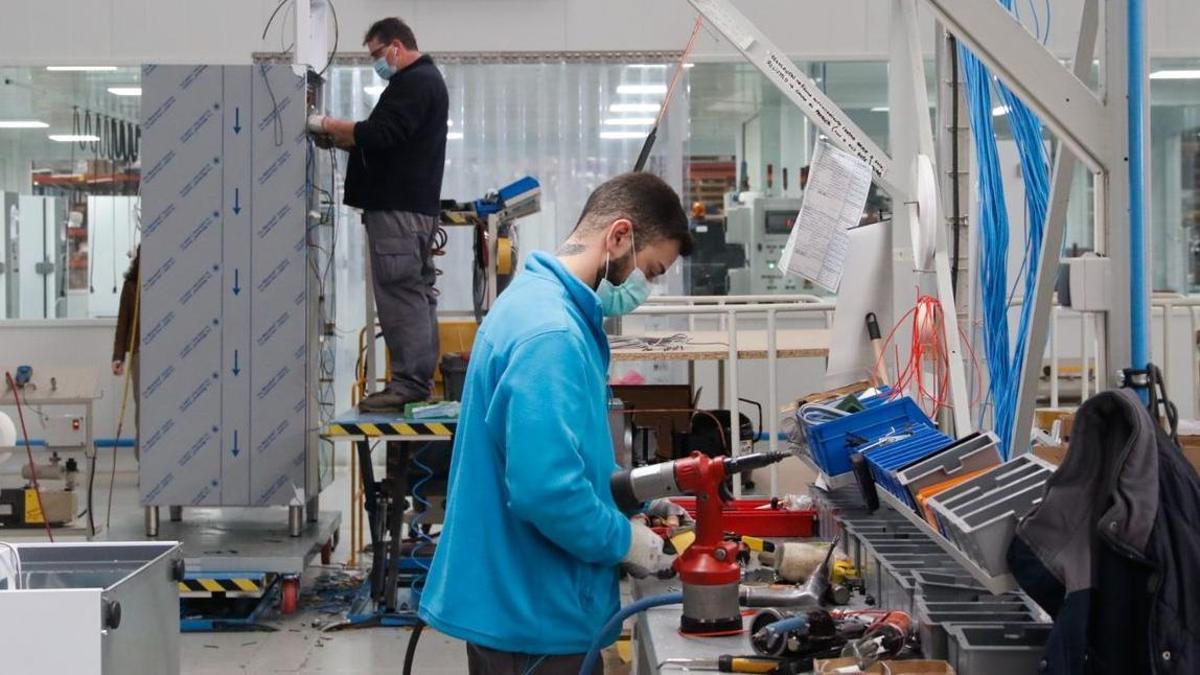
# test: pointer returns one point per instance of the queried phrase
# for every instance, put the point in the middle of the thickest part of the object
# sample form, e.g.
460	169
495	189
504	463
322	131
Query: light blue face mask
623	299
383	68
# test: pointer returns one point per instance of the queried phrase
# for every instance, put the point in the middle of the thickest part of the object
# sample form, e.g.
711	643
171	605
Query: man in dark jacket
394	174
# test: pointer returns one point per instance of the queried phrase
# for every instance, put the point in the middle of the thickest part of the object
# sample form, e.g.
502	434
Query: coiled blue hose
414	524
593	655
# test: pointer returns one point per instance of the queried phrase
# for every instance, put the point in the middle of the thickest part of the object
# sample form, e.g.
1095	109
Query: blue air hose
593	655
418	533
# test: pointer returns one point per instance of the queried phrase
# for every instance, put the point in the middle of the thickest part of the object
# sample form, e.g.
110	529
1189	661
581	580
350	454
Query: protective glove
315	124
670	513
648	553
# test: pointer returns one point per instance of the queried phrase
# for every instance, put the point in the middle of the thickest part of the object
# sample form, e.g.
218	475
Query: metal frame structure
1097	128
896	173
728	309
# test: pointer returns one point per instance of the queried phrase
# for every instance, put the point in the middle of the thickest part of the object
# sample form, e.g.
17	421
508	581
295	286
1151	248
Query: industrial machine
707	271
493	218
709	568
761	225
52	413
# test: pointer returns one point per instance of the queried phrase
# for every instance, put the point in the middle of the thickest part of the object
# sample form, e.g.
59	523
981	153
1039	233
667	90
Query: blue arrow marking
237	120
236	370
235	444
237	287
237	201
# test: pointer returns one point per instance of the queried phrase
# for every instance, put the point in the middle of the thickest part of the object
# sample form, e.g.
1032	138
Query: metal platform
352	425
238	539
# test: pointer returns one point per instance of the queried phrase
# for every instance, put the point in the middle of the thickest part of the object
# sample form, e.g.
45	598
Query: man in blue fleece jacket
527	563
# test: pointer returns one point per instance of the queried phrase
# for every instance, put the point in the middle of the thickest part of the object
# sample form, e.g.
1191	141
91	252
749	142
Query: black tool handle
866	482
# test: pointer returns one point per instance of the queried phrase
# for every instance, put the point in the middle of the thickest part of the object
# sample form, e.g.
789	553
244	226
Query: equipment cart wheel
290	598
327	552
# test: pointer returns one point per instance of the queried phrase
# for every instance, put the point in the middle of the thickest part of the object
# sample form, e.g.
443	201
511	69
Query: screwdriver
727	664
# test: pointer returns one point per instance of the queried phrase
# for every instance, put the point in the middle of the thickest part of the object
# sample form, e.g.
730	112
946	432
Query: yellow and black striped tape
234	585
391	429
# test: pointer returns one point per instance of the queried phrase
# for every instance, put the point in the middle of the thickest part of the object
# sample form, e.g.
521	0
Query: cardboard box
1055	454
910	667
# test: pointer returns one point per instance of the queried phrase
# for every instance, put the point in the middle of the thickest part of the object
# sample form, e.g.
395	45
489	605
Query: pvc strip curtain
550	120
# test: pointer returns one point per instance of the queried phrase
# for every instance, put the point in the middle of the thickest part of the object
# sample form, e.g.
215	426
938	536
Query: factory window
69	178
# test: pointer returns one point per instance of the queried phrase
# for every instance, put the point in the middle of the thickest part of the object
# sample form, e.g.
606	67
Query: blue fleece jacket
527	560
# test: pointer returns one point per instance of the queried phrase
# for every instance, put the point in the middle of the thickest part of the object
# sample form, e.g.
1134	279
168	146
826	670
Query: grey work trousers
403	274
484	661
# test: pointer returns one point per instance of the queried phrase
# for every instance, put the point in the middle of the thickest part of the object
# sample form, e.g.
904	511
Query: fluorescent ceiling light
454	136
22	124
80	68
621	135
881	108
629	121
125	91
634	107
74	138
373	90
689	65
1175	75
648	66
641	89
999	111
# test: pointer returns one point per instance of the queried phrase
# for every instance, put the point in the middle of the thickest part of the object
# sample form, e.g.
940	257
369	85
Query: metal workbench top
658	637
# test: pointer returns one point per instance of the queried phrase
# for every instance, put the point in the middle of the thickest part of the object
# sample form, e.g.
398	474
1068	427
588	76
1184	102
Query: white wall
68	344
227	31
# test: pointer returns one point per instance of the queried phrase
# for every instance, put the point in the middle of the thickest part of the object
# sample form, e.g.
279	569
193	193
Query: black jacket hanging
1113	550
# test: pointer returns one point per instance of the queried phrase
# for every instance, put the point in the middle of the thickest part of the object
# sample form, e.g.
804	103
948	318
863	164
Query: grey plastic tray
980	515
967	455
997	649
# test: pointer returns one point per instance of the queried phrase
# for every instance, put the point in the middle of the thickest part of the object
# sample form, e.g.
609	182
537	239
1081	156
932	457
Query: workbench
713	345
384	499
657	635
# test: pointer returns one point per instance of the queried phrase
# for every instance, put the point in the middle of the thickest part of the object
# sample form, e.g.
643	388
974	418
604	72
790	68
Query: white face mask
623	299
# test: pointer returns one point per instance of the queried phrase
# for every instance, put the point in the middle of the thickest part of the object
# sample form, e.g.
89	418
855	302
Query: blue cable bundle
1004	364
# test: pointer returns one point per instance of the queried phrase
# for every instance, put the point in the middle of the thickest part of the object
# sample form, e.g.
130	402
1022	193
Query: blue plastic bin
831	443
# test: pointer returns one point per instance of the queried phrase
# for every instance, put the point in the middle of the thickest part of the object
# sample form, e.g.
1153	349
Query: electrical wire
37	488
648	144
271	18
336	36
411	651
277	123
1004	365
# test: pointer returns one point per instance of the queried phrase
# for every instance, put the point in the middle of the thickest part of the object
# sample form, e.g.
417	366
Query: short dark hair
645	199
391	28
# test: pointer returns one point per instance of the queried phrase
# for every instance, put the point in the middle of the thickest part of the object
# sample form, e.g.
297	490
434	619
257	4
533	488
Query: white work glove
315	124
648	553
670	513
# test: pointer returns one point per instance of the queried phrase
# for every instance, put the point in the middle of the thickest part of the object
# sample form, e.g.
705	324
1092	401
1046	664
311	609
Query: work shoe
387	401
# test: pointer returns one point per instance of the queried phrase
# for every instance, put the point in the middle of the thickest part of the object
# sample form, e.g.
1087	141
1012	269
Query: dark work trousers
403	273
484	661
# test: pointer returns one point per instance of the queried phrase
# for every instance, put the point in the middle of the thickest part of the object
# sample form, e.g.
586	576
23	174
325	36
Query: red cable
687	51
37	490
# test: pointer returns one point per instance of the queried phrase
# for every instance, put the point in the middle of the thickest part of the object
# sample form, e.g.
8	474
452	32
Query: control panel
762	226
